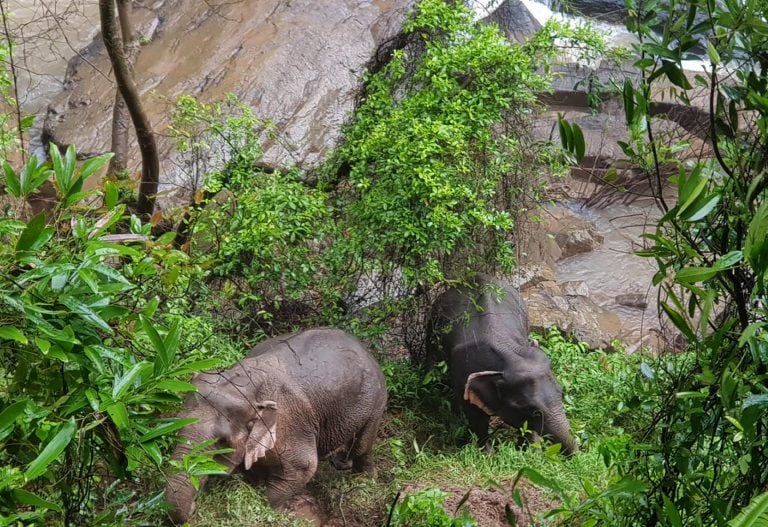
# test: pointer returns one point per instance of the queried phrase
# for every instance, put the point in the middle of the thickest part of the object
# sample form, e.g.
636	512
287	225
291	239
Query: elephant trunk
179	491
556	425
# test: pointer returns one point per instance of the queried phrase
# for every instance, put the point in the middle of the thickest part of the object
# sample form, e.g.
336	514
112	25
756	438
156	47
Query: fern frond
753	515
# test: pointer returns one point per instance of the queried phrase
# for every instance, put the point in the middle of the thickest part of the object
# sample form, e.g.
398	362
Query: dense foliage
91	354
429	176
706	456
102	322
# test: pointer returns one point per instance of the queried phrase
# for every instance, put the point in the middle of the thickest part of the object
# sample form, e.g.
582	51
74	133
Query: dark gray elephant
482	333
293	399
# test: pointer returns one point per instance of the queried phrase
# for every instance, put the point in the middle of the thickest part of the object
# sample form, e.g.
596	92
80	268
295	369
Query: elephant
481	331
293	400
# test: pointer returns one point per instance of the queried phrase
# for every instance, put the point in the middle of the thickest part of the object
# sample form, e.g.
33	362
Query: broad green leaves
90	361
572	138
52	451
711	247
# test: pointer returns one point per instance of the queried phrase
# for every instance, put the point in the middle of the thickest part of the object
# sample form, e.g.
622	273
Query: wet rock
514	20
577	316
298	64
578	237
605	10
575	288
532	274
636	300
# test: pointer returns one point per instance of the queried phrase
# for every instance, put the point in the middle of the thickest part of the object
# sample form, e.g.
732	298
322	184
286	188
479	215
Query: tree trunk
150	162
120	116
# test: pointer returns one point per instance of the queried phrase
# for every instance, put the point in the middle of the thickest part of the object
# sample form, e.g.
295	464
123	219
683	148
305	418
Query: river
47	33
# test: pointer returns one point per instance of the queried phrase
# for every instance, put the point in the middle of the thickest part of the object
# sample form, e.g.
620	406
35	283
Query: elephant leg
297	469
530	438
257	475
363	446
478	422
340	459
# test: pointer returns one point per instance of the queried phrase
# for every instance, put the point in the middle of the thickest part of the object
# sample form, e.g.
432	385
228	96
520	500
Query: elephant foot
364	464
340	461
306	507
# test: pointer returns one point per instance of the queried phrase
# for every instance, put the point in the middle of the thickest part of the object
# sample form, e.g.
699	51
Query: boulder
576	316
514	20
532	274
574	240
575	288
298	64
634	300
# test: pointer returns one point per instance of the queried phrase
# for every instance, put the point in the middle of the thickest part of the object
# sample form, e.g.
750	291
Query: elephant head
528	393
228	413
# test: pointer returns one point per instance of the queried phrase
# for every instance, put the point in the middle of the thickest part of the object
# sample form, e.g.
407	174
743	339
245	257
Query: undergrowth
423	442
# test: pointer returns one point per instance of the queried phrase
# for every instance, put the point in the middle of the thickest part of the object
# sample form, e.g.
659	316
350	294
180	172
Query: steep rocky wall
298	63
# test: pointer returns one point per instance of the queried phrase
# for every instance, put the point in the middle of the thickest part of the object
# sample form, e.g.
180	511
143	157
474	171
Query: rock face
297	63
514	20
578	316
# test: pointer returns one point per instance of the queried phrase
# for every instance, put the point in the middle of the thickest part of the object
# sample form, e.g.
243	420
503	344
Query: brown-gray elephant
482	333
293	399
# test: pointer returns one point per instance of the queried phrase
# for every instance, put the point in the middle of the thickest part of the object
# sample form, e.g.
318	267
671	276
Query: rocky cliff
298	63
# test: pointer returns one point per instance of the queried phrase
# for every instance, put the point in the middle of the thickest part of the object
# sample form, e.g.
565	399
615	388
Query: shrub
424	508
91	359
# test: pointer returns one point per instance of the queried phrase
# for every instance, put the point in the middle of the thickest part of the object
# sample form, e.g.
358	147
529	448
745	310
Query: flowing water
613	271
47	33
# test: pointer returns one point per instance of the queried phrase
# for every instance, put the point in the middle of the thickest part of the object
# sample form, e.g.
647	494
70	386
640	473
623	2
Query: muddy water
613	270
47	33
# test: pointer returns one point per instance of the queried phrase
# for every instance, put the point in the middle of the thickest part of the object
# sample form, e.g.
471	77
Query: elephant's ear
261	436
480	390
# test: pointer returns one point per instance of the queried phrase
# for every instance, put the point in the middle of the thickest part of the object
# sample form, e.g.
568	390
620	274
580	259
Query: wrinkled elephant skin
482	333
294	399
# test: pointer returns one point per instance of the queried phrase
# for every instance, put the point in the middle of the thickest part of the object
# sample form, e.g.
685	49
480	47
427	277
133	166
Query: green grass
422	442
235	503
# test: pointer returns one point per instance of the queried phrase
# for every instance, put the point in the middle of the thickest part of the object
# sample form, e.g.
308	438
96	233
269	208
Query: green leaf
85	312
714	56
176	386
11	180
676	75
728	260
153	451
629	100
753	515
27	498
157	342
690	190
755	247
678	320
510	515
92	165
119	415
51	451
537	479
198	366
122	384
692	275
31	233
32	176
579	145
8	417
167	428
759	400
670	511
111	195
698	213
12	333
